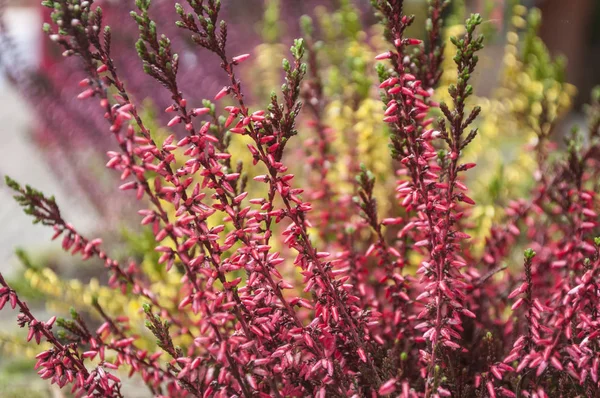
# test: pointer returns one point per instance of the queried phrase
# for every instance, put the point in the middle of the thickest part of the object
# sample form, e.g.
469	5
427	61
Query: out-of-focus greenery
268	54
18	379
17	375
346	68
530	83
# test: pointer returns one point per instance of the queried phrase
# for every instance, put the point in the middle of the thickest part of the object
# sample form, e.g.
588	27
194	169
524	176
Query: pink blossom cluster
354	317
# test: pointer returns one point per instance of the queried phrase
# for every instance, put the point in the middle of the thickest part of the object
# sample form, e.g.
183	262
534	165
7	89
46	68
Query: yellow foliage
509	119
17	346
61	294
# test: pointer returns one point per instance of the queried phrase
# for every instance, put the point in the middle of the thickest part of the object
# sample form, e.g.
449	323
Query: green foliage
271	28
18	379
341	31
35	203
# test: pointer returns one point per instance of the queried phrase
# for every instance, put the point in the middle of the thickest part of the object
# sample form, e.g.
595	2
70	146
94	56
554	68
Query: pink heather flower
382	56
240	58
491	390
413	42
200	111
388	387
174	121
224	91
86	94
391	109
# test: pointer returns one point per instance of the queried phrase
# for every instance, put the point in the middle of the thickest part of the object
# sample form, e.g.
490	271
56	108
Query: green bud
152	28
428	25
303	69
306	24
534	18
529	254
468	90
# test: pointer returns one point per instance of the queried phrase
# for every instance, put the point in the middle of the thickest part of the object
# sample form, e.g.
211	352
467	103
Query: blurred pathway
21	160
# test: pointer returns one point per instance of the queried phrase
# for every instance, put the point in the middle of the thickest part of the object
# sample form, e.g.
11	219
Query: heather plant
70	134
251	289
530	80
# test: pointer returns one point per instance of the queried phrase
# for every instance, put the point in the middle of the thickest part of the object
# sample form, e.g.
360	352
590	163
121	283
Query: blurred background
57	144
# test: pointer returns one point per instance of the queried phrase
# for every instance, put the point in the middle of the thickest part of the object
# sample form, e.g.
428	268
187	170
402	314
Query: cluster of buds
62	364
428	192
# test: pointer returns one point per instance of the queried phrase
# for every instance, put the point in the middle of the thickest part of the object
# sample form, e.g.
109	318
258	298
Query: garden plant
325	243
